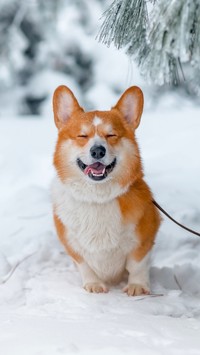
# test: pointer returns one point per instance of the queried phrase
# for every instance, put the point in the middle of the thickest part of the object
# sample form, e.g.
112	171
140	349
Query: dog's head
97	147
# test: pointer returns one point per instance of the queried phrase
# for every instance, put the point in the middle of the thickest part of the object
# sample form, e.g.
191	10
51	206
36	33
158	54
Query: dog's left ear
130	105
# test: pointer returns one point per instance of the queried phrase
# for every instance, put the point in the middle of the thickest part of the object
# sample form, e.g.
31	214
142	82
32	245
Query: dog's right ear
64	105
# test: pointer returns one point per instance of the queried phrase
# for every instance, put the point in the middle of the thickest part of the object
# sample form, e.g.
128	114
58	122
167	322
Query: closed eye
111	135
82	136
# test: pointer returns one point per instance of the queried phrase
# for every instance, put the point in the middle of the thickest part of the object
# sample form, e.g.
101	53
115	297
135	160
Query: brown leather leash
172	219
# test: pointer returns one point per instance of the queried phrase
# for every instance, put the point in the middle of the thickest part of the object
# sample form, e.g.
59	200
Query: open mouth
96	171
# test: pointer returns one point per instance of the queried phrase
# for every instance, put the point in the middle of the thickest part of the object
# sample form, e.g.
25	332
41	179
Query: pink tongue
96	168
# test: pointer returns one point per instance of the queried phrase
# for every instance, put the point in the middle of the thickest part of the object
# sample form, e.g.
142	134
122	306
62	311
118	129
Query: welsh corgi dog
103	210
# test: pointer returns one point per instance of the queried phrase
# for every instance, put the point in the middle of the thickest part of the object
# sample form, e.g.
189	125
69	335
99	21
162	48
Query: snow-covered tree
44	43
162	36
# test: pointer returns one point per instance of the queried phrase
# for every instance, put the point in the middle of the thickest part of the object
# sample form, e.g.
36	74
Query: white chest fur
95	230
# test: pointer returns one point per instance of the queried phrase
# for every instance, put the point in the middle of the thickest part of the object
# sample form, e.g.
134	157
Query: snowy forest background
46	43
43	308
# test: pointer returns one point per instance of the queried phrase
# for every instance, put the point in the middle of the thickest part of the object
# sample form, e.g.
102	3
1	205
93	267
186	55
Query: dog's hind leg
137	263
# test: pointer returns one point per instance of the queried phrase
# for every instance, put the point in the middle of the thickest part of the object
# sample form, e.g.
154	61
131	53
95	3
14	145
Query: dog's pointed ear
64	105
130	105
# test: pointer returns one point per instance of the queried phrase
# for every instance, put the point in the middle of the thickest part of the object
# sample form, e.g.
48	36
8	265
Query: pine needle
162	42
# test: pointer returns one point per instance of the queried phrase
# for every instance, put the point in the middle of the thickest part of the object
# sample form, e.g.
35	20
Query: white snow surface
43	308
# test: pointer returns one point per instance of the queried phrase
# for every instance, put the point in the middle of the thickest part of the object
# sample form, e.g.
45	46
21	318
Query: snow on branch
161	41
125	23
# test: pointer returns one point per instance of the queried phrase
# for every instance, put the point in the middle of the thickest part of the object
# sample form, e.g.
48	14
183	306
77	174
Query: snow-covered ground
43	308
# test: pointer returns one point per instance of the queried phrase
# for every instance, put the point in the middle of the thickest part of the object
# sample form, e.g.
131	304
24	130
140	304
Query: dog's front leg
138	279
138	260
91	282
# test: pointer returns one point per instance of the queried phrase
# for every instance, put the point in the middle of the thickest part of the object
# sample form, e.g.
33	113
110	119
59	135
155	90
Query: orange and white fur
103	209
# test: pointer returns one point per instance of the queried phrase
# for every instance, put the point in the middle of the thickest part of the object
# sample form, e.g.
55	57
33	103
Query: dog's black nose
98	151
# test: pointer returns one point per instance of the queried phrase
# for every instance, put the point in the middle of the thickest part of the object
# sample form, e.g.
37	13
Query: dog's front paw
96	287
136	290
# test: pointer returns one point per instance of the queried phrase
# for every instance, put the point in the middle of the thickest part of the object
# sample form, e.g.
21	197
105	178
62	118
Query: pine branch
125	24
173	40
160	45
